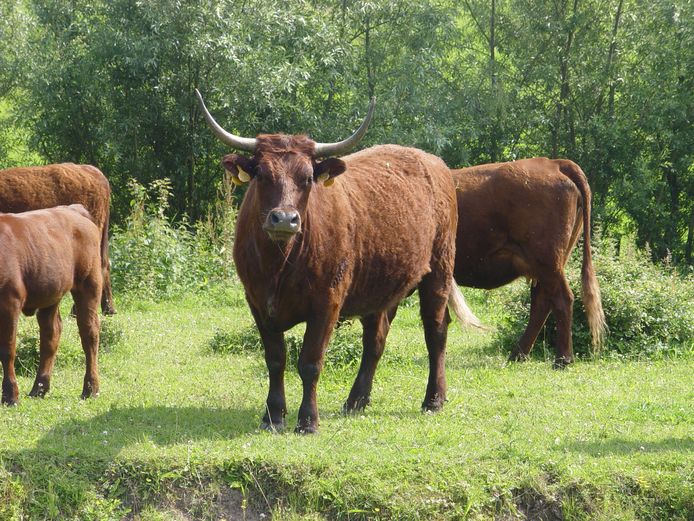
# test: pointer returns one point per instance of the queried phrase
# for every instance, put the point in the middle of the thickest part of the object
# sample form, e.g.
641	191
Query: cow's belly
382	285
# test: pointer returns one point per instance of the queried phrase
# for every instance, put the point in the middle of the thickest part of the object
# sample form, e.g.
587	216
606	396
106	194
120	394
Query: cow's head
284	169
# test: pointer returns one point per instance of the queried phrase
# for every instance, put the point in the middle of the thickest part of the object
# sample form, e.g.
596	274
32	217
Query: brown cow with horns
522	219
310	252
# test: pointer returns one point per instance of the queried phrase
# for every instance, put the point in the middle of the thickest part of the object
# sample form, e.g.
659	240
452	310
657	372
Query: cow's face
284	173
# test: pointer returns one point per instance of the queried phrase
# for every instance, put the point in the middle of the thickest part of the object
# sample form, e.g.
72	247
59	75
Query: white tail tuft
458	306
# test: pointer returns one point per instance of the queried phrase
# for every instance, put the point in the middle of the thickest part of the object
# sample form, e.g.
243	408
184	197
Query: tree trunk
690	240
494	141
608	66
564	113
367	57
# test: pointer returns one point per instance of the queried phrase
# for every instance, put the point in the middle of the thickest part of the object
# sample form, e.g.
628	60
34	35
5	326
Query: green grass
174	434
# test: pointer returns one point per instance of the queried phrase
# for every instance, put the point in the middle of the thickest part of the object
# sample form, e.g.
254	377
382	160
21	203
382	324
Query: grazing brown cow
522	219
310	252
43	255
32	188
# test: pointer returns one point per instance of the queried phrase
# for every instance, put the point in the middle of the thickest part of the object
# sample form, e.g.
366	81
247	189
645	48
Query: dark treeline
607	83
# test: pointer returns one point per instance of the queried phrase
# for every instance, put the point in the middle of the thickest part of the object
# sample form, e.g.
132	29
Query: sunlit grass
177	424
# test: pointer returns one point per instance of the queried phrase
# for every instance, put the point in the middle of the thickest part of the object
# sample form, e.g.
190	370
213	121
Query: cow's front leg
316	338
276	360
8	339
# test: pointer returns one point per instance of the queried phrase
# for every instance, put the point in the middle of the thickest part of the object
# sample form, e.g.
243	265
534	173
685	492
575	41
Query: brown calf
308	250
43	255
522	219
32	188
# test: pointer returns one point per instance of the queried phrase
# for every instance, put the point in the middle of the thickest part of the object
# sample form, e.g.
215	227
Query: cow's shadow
104	436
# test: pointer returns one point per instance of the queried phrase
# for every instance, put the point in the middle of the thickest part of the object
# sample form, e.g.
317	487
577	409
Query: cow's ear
242	168
328	169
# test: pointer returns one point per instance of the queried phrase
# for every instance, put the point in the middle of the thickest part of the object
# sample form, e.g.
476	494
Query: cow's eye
309	181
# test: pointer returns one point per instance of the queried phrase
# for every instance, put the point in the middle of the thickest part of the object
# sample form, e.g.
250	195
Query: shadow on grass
617	446
102	437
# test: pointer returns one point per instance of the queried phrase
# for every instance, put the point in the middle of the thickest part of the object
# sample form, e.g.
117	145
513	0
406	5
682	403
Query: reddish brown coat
522	219
43	255
32	188
385	228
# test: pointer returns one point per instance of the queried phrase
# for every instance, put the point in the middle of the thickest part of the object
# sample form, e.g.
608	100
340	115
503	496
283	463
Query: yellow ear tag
236	180
329	182
243	175
323	177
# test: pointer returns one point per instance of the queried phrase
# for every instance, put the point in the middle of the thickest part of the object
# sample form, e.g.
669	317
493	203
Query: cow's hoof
357	405
9	402
562	363
433	405
274	427
518	357
38	391
306	429
109	312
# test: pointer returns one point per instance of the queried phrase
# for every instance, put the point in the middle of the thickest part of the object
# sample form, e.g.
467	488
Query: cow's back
508	211
24	189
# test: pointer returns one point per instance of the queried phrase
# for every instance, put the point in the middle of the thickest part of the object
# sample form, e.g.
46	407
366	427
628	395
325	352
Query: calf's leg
433	301
375	331
87	301
50	326
8	339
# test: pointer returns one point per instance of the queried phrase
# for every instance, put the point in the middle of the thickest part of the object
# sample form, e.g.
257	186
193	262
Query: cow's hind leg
87	301
433	301
8	339
562	306
376	329
50	326
539	310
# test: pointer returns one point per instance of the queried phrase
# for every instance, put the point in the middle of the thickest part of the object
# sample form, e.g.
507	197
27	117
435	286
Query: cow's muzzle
282	224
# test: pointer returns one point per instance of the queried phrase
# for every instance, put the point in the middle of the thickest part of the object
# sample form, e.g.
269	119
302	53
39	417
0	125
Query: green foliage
649	307
606	83
155	258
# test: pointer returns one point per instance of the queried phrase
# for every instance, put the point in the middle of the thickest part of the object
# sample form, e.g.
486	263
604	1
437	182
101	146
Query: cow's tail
590	289
459	308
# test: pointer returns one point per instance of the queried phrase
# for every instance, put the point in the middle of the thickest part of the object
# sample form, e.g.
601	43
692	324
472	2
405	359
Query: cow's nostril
295	219
274	219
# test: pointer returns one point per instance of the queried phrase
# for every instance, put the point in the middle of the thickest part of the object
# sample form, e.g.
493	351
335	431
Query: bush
153	258
649	307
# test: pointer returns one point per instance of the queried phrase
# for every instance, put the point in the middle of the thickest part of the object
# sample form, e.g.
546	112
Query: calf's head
284	169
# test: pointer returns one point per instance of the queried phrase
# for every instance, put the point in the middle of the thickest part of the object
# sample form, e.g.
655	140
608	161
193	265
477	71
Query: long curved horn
335	149
240	143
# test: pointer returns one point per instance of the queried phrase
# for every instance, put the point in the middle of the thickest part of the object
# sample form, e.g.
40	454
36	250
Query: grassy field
174	434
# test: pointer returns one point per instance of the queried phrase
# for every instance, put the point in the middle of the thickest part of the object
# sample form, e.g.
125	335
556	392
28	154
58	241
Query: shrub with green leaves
154	258
649	307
